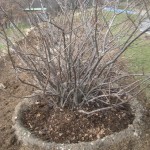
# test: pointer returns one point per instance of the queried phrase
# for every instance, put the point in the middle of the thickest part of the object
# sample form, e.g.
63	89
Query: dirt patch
135	137
66	126
9	98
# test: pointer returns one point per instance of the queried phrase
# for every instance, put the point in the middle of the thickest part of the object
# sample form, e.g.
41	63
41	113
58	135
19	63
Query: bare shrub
74	54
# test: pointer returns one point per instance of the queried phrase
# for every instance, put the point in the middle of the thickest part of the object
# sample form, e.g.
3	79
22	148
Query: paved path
144	25
119	10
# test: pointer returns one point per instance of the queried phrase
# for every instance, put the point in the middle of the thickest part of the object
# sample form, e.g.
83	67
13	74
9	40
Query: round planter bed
127	139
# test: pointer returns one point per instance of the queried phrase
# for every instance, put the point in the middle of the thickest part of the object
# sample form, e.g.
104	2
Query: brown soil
66	126
9	98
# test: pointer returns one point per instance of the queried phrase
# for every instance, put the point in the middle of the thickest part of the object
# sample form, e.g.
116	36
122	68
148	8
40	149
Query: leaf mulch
70	126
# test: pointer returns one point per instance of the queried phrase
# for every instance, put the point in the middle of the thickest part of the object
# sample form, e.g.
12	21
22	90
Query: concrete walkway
144	25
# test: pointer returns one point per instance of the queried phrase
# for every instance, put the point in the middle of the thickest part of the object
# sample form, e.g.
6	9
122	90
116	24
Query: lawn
2	49
138	56
13	32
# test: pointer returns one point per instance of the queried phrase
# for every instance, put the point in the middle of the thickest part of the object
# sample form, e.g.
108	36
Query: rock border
122	140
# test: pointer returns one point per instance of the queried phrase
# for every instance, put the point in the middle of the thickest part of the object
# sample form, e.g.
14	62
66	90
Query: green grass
21	26
11	32
2	49
138	55
1	46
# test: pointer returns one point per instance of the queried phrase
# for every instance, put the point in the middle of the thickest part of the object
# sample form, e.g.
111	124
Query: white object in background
144	25
2	86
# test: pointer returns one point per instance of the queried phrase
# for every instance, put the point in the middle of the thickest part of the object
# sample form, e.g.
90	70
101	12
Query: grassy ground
11	31
12	34
1	46
2	49
138	56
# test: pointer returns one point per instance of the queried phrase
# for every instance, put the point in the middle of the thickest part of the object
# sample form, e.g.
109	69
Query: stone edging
116	141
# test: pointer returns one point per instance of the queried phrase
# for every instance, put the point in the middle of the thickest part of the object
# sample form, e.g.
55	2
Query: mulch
70	126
